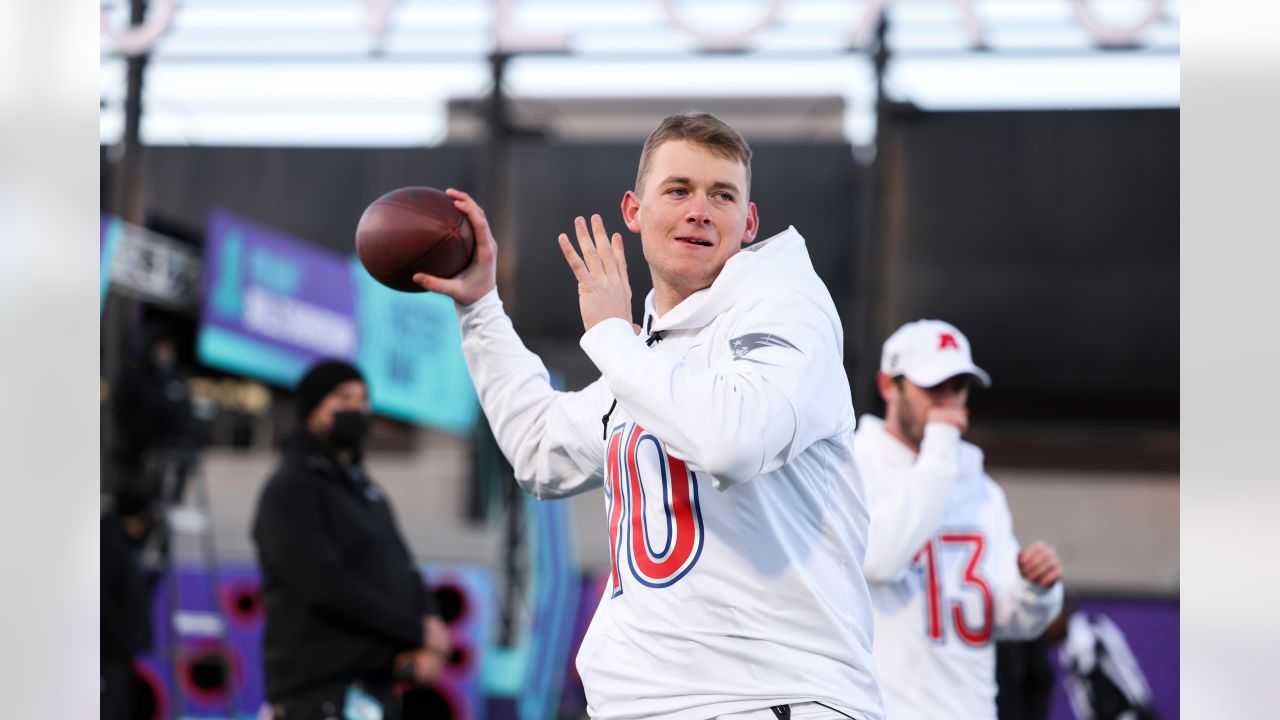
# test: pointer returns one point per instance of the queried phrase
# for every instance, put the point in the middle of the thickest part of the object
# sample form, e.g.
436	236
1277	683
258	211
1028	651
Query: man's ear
884	382
753	224
631	211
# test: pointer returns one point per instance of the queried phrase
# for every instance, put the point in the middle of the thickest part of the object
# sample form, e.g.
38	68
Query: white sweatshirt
737	519
942	562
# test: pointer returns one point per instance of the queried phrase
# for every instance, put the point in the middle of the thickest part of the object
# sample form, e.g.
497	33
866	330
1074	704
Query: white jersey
737	519
943	569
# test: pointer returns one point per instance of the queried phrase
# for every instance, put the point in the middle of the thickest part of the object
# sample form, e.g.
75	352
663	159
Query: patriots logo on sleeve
744	344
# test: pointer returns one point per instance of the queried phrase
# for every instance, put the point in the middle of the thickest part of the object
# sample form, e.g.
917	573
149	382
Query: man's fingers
1046	577
434	665
1040	564
608	260
463	198
620	257
426	667
486	246
1038	567
475	215
1032	557
437	636
1049	577
590	258
468	206
435	284
575	262
1037	552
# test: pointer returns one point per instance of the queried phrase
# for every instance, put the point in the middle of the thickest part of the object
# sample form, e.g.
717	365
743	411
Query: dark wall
1051	239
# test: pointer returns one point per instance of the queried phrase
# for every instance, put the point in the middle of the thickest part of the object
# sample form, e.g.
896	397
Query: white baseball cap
929	352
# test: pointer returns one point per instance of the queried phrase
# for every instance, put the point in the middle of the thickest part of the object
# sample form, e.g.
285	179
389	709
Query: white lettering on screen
293	321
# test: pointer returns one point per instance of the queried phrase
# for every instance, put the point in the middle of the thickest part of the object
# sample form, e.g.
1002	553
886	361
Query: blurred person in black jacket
124	602
347	612
152	412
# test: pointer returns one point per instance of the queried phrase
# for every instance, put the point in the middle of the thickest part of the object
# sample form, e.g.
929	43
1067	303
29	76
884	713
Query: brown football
412	230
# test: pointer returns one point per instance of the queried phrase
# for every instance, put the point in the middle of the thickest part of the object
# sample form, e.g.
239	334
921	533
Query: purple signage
273	303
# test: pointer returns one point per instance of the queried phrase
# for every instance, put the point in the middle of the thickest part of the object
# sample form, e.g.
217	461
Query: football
413	230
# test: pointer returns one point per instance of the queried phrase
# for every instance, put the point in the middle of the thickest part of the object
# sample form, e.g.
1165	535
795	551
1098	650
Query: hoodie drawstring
654	338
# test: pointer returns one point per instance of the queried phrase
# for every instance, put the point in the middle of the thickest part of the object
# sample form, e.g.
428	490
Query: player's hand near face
1039	564
480	276
952	415
603	288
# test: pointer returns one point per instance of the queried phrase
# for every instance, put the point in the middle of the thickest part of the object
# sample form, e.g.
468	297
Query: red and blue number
639	471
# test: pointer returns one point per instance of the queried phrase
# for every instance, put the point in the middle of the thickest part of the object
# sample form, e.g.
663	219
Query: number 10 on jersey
640	475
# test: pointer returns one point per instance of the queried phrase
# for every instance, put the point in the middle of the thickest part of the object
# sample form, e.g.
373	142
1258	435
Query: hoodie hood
782	261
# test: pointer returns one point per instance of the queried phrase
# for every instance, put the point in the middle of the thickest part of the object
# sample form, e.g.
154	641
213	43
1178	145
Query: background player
946	573
737	522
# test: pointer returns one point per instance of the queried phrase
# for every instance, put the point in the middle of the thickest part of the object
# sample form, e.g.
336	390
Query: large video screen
273	304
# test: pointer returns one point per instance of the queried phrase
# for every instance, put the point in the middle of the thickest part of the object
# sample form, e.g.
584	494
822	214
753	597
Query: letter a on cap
947	340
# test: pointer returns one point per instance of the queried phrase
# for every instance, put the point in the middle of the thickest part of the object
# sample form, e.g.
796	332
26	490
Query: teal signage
410	349
110	231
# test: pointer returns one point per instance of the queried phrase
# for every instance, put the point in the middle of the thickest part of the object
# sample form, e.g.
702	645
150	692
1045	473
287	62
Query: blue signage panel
274	304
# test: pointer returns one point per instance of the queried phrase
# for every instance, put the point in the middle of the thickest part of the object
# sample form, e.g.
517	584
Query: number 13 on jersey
970	585
652	499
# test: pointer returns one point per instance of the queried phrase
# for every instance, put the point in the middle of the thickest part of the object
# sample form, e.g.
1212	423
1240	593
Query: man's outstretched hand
603	288
480	276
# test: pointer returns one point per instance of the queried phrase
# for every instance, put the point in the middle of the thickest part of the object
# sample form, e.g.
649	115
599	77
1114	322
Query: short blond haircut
702	129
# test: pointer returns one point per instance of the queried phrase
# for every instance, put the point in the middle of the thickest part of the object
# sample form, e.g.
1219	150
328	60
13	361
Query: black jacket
341	593
125	599
152	409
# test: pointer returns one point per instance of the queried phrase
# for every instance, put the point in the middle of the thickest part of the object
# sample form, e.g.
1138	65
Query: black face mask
349	429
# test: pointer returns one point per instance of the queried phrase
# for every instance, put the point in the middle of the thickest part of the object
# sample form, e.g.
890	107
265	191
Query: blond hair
702	129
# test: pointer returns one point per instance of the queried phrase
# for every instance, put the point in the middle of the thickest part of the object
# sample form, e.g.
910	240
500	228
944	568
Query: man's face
692	215
907	404
350	395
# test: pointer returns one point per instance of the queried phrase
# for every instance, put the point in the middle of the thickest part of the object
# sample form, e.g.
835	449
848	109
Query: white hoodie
738	521
943	568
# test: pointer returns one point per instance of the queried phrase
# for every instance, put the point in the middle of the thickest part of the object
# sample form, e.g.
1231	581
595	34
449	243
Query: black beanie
320	380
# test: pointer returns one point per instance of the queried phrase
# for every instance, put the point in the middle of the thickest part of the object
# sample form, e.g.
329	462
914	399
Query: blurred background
1010	166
